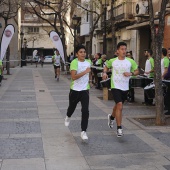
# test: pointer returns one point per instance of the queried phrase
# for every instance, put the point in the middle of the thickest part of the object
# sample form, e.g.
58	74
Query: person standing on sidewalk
164	63
122	68
56	61
149	72
79	90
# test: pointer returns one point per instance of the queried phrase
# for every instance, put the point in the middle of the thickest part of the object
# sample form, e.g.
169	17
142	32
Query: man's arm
165	72
76	76
105	70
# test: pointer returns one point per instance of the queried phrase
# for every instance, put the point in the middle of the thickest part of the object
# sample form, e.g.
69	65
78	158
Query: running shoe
67	121
84	135
110	121
119	133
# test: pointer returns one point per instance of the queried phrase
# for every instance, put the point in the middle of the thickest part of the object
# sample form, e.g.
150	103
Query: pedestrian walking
56	59
122	69
79	89
42	60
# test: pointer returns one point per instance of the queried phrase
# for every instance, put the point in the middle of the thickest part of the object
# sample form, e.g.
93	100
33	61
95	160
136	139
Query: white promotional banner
58	43
6	38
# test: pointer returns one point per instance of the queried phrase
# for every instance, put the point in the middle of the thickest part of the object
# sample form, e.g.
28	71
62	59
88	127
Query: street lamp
21	36
25	50
75	22
105	3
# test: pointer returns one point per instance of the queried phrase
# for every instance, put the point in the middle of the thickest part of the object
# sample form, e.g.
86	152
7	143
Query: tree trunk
90	45
157	39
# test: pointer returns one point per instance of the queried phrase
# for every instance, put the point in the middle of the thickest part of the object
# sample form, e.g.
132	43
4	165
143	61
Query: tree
56	12
157	39
8	10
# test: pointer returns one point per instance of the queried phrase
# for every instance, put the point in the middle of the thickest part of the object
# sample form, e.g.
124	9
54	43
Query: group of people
37	58
81	80
122	68
165	74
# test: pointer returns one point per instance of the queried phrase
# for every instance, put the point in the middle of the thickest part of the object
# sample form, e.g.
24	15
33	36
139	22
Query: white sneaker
110	121
119	133
67	121
84	135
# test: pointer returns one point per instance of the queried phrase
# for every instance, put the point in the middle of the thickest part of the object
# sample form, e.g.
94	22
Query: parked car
48	59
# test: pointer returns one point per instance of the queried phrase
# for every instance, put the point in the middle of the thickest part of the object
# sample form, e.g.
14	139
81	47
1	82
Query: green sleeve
166	62
109	63
134	65
99	62
74	65
152	63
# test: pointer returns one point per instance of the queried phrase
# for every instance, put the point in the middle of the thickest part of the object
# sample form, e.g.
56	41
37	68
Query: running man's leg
73	100
84	99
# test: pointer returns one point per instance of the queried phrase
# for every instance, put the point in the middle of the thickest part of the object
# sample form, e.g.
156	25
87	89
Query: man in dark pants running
122	68
79	90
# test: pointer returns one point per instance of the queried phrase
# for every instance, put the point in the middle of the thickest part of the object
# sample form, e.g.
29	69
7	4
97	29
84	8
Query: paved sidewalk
33	136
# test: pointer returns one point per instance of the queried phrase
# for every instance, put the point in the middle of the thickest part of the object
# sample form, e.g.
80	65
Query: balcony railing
124	11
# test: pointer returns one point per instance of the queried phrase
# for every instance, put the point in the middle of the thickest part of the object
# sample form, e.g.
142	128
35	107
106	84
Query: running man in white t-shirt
79	88
122	68
57	63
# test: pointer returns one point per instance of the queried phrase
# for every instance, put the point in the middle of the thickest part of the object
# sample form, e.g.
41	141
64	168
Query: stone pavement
33	136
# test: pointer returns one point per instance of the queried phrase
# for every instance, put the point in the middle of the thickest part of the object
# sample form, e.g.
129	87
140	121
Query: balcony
124	12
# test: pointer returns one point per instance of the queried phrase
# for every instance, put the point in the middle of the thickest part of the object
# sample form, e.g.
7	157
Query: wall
144	43
166	42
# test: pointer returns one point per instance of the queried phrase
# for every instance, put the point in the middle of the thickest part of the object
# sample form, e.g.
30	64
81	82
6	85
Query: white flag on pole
6	38
58	43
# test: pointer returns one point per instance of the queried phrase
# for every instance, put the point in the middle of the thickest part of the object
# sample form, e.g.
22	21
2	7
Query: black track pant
74	98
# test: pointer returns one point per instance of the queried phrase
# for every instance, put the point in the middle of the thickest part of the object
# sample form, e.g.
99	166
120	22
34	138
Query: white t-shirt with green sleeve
164	64
118	80
83	82
149	65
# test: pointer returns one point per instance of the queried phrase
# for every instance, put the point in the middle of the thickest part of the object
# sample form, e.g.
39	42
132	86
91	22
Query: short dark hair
164	51
121	44
99	55
150	51
78	47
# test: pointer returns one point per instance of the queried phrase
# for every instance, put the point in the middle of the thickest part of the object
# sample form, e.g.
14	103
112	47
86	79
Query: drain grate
41	90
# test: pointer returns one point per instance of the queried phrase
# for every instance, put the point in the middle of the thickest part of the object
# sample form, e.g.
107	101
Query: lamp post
21	36
25	50
105	3
75	22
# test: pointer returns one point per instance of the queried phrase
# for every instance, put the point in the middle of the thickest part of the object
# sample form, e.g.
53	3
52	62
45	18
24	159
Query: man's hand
105	76
127	74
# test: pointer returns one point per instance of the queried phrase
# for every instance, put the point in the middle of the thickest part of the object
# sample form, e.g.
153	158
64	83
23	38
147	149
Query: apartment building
131	21
36	30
